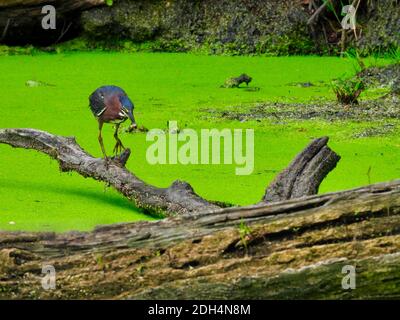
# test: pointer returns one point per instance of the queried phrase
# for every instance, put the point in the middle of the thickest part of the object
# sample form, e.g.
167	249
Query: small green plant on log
244	233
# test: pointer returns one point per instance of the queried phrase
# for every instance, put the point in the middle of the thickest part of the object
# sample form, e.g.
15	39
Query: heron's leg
101	140
118	146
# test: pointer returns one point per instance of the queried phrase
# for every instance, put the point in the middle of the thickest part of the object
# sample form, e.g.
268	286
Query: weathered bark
291	249
178	198
304	174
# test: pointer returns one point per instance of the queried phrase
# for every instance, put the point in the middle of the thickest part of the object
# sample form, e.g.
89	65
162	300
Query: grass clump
347	91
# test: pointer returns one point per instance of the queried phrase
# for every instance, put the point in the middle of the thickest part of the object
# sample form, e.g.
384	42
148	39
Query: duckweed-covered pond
34	195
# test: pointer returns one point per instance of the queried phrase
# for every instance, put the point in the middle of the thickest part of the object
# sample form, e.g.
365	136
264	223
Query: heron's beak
133	125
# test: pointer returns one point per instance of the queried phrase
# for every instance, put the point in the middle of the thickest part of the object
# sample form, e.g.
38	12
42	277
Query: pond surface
34	195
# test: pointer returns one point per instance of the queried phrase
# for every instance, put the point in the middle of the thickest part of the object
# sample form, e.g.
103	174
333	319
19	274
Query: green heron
110	104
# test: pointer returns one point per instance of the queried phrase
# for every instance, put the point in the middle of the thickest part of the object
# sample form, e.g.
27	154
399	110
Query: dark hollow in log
20	20
304	174
32	9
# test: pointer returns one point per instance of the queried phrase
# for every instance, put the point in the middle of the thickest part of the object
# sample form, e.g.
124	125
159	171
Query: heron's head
129	106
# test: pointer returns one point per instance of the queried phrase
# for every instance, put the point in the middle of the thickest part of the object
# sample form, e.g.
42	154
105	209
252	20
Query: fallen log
285	249
290	249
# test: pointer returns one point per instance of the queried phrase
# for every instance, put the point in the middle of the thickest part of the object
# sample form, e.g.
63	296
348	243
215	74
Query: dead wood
304	174
176	199
292	249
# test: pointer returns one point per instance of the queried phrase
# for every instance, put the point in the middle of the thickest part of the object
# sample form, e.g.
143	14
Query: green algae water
35	196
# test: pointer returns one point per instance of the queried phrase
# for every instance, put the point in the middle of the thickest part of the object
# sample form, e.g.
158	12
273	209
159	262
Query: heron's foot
119	147
107	161
123	157
112	161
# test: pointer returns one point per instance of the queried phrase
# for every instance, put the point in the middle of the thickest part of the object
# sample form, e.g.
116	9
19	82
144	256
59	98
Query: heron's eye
101	96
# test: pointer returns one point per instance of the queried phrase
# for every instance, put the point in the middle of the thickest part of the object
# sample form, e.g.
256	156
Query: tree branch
317	12
178	198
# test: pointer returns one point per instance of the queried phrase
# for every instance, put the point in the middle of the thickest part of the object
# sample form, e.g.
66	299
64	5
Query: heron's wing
97	105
